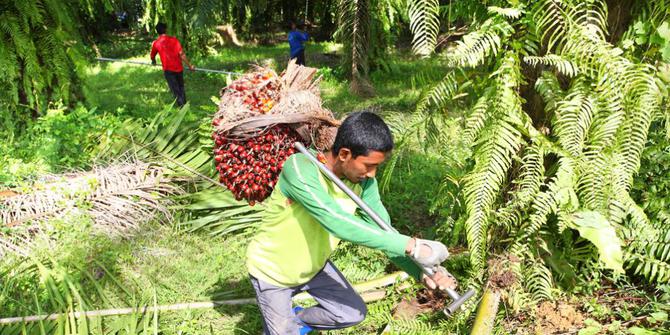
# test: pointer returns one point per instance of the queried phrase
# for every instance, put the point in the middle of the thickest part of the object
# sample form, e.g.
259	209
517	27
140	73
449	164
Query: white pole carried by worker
115	60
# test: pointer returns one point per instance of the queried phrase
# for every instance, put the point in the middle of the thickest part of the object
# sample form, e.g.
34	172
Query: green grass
139	91
180	267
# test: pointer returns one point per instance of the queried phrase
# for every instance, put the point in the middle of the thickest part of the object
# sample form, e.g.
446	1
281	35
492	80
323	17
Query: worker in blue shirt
296	40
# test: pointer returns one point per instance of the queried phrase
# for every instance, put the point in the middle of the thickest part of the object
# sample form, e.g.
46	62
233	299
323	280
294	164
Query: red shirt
169	49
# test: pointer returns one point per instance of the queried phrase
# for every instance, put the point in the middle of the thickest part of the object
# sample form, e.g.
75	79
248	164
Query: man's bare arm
185	60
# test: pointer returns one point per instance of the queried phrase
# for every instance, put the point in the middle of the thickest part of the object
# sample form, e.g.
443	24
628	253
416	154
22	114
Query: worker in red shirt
172	55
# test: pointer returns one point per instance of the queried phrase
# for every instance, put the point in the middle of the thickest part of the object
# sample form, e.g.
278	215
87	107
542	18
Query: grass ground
138	91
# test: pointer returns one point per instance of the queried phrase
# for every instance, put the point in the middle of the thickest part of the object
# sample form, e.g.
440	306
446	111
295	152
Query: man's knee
354	314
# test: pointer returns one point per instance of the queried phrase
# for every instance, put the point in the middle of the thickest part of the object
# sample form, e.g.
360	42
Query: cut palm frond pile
262	99
181	146
117	199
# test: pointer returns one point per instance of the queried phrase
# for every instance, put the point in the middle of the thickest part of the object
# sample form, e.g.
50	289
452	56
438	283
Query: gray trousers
339	306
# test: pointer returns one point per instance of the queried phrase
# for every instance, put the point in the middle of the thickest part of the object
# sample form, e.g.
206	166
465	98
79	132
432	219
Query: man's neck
331	164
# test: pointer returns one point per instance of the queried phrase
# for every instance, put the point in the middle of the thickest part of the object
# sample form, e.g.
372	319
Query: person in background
296	41
172	55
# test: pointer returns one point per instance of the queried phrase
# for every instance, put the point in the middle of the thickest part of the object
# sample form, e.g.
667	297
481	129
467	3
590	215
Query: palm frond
217	212
425	25
573	116
476	46
509	13
539	281
117	198
561	64
36	66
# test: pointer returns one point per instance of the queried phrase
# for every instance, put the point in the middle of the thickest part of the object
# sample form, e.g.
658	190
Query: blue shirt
296	40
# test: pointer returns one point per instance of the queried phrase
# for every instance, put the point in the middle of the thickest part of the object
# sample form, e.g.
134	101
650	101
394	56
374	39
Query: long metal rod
105	59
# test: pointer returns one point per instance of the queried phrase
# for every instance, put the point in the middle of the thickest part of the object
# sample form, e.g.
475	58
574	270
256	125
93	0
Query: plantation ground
164	264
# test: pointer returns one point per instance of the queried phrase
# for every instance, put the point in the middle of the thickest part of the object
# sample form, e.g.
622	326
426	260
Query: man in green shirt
306	217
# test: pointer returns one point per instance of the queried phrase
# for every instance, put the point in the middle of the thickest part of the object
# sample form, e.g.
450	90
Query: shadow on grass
127	44
251	320
141	91
397	88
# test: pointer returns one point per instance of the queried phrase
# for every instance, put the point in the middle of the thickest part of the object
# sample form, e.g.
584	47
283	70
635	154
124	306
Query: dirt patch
499	281
425	301
432	300
501	276
554	317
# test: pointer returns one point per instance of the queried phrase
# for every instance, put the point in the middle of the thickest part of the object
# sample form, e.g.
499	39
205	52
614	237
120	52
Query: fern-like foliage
561	64
424	22
38	55
478	45
536	166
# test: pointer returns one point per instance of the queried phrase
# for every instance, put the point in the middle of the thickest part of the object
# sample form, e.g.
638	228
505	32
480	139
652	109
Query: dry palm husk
295	100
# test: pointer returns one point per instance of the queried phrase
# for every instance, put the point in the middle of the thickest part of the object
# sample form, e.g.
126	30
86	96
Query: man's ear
344	154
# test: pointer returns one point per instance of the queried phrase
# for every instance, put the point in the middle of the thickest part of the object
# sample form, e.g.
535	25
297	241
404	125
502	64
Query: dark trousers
300	57
175	81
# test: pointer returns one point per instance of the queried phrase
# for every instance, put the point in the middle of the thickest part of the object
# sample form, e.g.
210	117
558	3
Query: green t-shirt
306	217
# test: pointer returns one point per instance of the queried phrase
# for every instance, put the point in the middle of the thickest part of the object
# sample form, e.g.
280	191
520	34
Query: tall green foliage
39	52
557	117
195	22
364	28
191	21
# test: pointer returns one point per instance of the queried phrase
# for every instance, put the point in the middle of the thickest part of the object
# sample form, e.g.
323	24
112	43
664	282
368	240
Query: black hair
362	132
161	28
299	24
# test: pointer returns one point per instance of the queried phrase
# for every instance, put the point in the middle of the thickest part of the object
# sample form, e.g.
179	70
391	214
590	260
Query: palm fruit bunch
261	115
250	167
258	91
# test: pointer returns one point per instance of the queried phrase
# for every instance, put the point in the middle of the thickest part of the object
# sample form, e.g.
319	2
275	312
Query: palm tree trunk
486	313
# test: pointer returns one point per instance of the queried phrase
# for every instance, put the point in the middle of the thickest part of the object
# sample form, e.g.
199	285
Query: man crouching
306	217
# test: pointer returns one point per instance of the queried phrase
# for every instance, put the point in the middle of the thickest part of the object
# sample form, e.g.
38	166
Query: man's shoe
304	329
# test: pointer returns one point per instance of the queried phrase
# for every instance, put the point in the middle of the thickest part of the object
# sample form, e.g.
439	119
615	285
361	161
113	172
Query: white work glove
429	254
